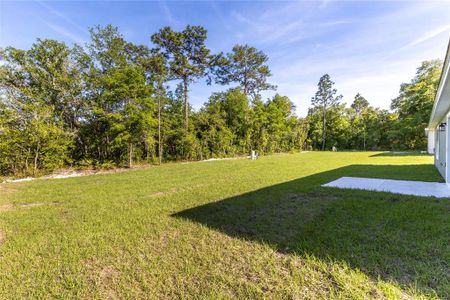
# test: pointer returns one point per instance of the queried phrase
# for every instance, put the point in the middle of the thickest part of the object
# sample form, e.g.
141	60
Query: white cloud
371	52
66	33
324	4
168	13
63	16
427	36
63	31
364	58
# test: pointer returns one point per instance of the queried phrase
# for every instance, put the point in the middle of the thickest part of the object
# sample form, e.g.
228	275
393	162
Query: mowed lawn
228	229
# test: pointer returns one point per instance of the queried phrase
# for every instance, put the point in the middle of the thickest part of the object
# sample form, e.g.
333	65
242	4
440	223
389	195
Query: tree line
108	103
364	127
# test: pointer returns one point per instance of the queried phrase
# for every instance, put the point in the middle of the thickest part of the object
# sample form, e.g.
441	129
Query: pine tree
325	99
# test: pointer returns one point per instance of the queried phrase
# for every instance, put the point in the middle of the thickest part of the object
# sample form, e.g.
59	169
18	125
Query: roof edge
444	75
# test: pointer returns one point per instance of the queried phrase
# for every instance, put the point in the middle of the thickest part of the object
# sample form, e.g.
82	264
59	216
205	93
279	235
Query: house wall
441	115
440	151
431	135
442	147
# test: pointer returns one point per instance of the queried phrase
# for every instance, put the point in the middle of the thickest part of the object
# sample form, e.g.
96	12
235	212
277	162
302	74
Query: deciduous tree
414	105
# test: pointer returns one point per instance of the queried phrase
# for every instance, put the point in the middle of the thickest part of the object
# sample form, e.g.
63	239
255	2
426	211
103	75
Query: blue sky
366	47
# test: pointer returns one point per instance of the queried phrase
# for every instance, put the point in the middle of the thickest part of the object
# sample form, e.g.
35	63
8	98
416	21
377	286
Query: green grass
227	229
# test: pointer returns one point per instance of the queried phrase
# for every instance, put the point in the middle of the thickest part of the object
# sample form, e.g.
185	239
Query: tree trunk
130	155
364	139
245	84
324	128
36	156
26	161
146	148
106	152
186	104
159	130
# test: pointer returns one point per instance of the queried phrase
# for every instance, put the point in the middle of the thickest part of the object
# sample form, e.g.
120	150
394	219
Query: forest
109	103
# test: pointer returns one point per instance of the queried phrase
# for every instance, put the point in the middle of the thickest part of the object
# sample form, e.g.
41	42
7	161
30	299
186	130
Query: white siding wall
431	140
440	152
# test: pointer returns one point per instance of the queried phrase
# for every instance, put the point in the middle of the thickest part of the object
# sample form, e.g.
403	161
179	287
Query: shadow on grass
388	236
401	153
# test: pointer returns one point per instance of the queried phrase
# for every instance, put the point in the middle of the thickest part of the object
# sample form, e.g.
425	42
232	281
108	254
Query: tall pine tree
325	99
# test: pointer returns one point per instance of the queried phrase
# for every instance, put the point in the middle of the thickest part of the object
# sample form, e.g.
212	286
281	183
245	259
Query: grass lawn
227	229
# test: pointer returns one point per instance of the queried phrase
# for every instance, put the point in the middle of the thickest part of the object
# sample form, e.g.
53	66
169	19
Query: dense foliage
414	104
363	127
107	103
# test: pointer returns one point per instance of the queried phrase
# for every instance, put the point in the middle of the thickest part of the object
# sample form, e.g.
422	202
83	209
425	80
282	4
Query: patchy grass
228	229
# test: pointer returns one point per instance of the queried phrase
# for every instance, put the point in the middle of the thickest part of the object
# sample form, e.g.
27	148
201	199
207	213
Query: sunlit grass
227	229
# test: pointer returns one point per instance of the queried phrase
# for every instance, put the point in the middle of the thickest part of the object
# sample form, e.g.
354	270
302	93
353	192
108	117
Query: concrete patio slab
405	187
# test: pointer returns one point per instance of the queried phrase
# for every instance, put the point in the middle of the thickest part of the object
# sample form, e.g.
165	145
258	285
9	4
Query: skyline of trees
109	104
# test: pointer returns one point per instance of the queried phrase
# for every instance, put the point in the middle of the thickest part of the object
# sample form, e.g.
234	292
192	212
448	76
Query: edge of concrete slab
404	187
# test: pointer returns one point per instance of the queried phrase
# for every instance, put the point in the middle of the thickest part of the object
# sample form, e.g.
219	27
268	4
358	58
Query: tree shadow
400	153
393	237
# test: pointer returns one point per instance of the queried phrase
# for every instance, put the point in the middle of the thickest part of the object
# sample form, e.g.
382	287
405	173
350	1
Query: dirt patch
99	271
160	194
225	158
157	194
29	205
7	189
9	206
75	173
6	207
108	273
174	190
102	276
